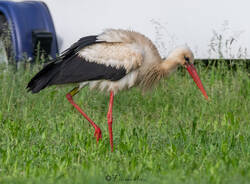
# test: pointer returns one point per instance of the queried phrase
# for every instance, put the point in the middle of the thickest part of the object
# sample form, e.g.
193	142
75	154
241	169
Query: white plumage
122	49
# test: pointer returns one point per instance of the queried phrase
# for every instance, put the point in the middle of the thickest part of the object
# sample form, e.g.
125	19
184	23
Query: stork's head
181	55
184	56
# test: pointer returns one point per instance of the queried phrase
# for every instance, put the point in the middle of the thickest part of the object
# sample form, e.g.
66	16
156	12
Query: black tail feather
66	68
42	78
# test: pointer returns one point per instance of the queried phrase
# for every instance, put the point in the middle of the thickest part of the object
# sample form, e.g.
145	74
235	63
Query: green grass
170	135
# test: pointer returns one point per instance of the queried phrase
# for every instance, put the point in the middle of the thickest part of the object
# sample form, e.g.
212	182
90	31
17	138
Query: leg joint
74	91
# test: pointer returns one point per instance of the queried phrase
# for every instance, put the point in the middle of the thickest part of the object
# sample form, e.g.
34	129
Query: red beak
192	71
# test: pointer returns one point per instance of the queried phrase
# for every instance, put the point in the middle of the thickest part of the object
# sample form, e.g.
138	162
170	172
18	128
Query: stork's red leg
109	116
98	133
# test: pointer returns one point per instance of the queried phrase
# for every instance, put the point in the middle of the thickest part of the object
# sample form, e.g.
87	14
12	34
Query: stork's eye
187	59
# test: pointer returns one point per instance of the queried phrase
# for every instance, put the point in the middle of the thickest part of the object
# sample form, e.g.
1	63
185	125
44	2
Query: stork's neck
167	66
157	72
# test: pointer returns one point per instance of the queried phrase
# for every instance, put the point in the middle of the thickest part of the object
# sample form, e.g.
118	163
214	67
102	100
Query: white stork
112	61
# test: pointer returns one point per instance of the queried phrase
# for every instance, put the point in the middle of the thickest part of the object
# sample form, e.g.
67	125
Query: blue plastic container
23	18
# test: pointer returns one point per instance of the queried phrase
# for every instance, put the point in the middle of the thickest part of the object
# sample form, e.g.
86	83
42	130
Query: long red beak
192	71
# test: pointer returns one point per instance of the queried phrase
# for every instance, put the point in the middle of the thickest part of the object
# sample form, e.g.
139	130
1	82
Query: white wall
168	23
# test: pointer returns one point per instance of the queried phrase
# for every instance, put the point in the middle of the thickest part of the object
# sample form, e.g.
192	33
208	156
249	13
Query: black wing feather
76	69
71	68
80	44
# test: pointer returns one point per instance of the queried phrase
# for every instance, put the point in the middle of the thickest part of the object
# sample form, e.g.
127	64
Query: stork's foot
98	134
